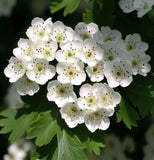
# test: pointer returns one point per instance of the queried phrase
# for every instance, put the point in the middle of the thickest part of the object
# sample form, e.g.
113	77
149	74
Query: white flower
13	99
112	143
96	73
149	150
118	73
88	97
97	119
133	42
60	93
139	62
107	35
149	135
143	7
15	69
112	51
85	31
108	98
92	53
40	29
45	50
128	144
19	150
61	33
71	72
26	86
127	5
72	114
6	7
23	51
69	51
40	71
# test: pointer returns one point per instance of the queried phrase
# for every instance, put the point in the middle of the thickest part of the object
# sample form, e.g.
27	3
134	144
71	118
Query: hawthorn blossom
127	6
139	62
107	35
91	53
143	7
133	43
118	73
45	50
15	69
97	119
60	93
96	73
69	51
61	33
25	86
71	72
84	31
72	114
40	29
23	51
40	71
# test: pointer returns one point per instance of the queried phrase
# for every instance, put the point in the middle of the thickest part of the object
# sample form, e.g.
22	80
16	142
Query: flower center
91	100
130	47
105	98
145	6
28	52
39	69
41	33
110	58
118	74
61	91
20	66
96	115
73	110
85	36
135	63
70	54
59	37
89	54
71	73
107	39
46	53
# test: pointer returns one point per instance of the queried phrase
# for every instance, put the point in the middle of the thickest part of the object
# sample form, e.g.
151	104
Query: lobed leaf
128	113
17	121
44	128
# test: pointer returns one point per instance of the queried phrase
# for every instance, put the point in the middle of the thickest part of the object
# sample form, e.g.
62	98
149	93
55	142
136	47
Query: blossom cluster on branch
141	6
77	62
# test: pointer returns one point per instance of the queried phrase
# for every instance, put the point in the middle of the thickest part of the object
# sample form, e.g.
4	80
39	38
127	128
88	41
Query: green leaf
70	147
141	94
87	17
17	121
70	6
45	151
45	127
118	114
128	113
93	146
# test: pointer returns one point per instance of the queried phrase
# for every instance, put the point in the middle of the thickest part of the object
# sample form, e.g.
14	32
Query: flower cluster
141	6
19	150
75	60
